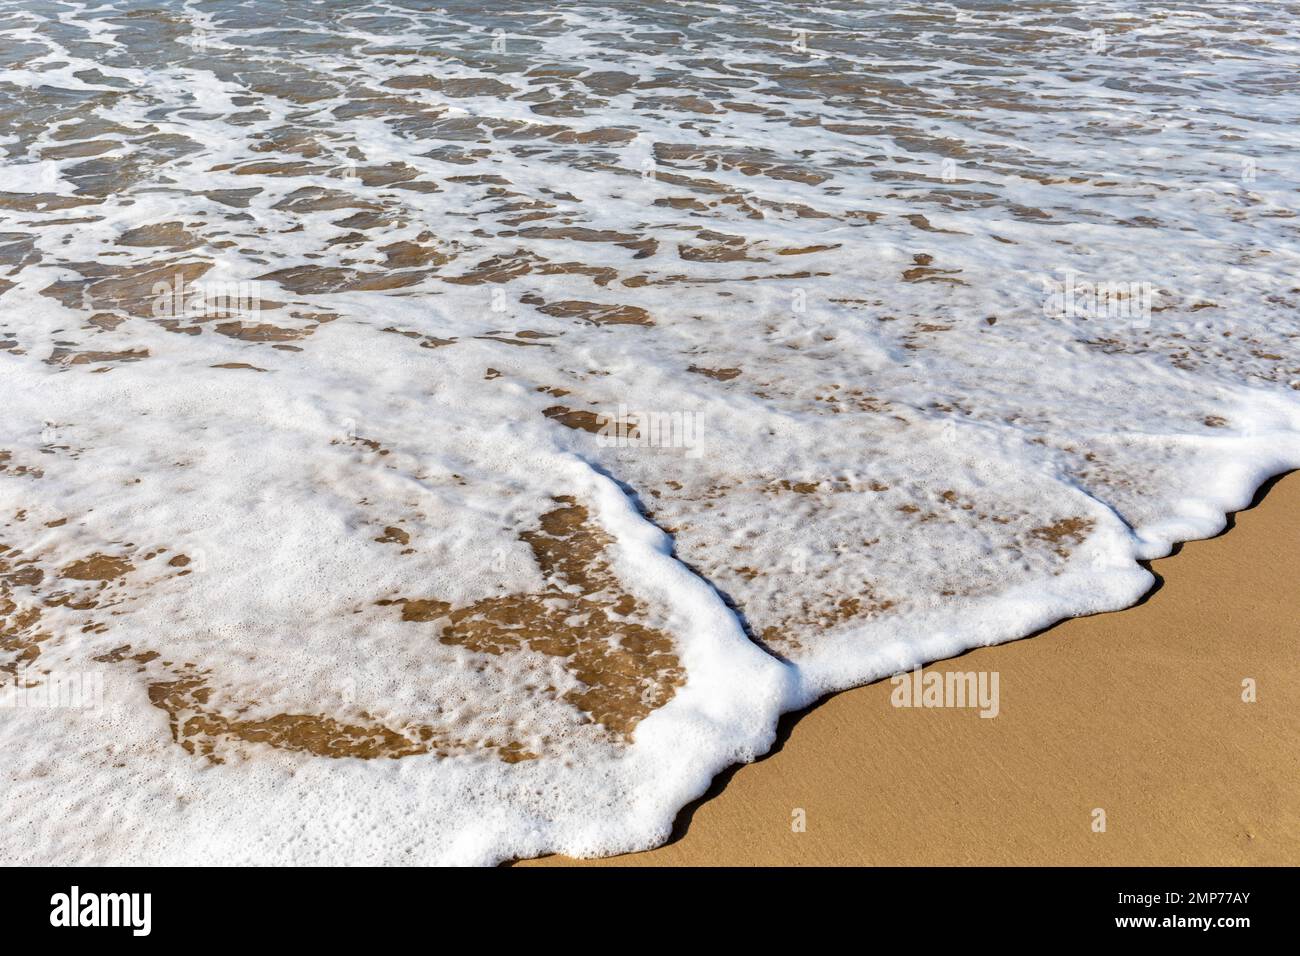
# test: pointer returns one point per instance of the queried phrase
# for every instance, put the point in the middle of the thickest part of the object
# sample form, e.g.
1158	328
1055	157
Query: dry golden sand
1139	712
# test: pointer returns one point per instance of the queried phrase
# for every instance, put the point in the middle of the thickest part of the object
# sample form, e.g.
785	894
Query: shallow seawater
444	434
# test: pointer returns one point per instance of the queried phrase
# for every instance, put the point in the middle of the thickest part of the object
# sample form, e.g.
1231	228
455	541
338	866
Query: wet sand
1138	713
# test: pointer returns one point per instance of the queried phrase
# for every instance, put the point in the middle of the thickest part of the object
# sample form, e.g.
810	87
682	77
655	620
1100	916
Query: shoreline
1137	713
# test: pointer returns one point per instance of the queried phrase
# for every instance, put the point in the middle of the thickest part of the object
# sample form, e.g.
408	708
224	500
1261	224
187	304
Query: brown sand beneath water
1138	712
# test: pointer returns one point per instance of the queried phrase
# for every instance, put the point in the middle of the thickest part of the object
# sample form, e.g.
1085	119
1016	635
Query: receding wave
454	432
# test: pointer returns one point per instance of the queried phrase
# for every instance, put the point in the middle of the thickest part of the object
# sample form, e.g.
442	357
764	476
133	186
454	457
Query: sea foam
440	434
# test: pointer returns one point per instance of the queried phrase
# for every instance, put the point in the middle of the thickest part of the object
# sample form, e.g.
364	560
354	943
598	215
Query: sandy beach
1138	712
463	434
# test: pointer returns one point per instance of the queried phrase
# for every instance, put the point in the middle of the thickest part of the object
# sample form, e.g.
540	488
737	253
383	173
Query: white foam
872	473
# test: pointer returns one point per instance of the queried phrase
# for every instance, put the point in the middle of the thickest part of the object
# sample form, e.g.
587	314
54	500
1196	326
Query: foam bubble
449	435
